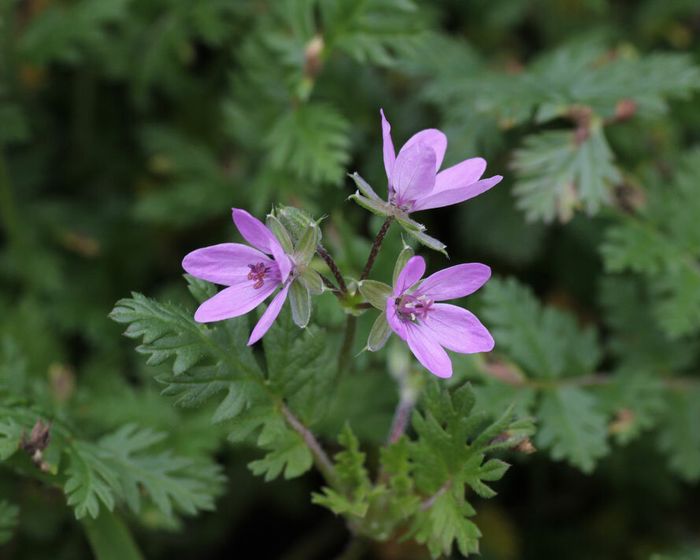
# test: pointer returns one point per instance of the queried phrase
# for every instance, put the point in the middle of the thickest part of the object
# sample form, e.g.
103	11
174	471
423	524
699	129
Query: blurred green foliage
129	128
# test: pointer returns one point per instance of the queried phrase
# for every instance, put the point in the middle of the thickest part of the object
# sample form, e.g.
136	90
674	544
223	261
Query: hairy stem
325	255
376	246
321	460
401	416
348	340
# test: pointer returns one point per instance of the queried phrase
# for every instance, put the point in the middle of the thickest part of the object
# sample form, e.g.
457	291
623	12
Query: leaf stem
376	246
402	414
325	255
321	460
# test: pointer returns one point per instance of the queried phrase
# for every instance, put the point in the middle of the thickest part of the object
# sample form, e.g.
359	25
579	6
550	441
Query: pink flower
414	181
429	327
251	274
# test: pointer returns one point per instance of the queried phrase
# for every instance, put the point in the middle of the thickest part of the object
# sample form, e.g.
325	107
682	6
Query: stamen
257	273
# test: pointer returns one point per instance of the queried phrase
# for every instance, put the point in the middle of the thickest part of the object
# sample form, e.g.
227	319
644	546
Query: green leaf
312	142
91	482
110	539
446	522
300	304
375	293
558	173
167	331
662	243
545	342
572	427
298	366
289	456
9	514
678	437
353	479
370	31
171	482
10	437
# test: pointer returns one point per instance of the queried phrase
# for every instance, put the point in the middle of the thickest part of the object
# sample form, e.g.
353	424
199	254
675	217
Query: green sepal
430	242
280	232
379	334
295	220
406	253
306	246
300	301
311	280
379	208
364	187
376	293
407	223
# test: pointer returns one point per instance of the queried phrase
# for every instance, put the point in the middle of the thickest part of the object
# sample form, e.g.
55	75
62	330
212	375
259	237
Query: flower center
257	274
411	308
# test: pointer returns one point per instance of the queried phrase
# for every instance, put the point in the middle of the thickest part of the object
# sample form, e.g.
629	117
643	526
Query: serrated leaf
288	455
298	366
167	331
10	437
446	523
545	342
572	427
559	173
91	483
662	243
370	31
679	438
312	142
171	482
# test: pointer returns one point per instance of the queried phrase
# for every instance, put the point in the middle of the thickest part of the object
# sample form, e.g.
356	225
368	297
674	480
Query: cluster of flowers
280	255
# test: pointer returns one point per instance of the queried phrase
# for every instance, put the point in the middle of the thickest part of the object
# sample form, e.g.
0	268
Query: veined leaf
558	174
572	427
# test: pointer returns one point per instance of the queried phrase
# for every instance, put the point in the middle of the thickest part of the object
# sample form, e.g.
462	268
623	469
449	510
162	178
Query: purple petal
255	232
226	263
234	301
433	138
428	351
458	329
271	313
396	324
455	196
413	176
461	175
409	275
389	152
283	261
455	281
